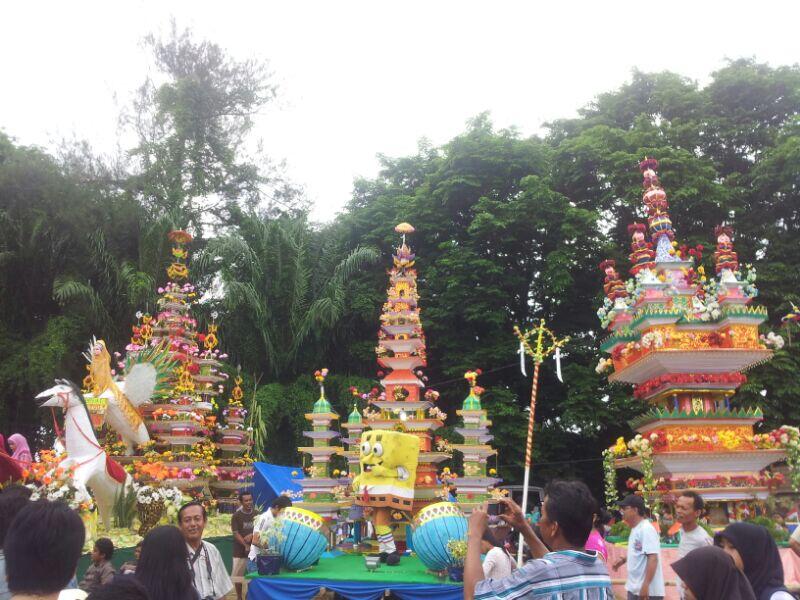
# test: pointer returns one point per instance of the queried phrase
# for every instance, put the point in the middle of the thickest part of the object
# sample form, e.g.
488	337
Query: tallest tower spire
401	340
655	199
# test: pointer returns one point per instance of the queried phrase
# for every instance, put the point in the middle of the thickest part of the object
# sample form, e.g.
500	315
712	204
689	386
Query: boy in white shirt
262	523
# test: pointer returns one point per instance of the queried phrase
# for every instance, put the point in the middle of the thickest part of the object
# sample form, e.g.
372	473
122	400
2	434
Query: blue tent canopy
270	480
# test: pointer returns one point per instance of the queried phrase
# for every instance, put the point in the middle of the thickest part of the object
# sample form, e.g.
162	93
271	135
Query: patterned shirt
563	575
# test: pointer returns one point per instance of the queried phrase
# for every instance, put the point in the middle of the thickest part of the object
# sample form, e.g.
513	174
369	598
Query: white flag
558	363
521	352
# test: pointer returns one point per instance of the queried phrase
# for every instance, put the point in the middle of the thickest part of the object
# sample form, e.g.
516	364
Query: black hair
189	505
16	489
163	568
12	500
281	502
572	506
699	503
105	547
488	536
602	519
42	548
122	587
244	493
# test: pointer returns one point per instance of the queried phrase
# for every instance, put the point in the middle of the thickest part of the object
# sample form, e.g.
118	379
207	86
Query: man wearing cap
645	580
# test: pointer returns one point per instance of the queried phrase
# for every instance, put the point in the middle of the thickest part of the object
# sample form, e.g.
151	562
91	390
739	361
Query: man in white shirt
209	575
645	580
262	523
688	509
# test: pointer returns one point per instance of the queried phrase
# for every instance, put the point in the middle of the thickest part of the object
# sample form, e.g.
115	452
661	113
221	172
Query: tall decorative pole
546	343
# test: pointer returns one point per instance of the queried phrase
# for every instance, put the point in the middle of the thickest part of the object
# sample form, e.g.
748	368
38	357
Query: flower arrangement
457	550
203	451
292	495
498	493
435	412
748	280
603	365
788	439
431	395
371	415
340	492
642	446
114	447
652	339
320	375
443	445
772	340
52	482
472	377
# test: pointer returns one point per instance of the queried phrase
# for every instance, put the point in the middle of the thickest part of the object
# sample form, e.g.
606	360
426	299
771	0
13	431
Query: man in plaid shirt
568	572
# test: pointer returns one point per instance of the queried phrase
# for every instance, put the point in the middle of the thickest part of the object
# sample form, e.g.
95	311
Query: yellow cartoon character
388	471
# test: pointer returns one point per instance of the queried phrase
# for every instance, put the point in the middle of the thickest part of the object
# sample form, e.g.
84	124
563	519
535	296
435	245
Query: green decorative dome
471	402
322	405
355	416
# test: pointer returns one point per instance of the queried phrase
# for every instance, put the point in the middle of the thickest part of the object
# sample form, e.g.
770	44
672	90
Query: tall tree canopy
509	229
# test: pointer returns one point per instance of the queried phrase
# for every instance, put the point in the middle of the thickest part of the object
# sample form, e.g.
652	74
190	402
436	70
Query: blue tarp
270	480
276	588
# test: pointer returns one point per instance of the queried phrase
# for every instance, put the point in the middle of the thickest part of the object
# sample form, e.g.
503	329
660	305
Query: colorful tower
234	467
318	486
401	351
473	487
180	420
354	426
683	341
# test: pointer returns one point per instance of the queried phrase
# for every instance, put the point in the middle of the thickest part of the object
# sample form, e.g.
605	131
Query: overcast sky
361	78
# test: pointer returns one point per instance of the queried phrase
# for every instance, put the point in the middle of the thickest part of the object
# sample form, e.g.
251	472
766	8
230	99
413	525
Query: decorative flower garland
609	477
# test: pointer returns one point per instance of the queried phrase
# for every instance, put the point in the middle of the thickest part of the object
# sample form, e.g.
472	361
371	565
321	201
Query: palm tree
110	296
284	288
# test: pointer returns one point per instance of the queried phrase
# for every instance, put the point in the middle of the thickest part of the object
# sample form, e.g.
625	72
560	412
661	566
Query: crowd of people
42	541
570	556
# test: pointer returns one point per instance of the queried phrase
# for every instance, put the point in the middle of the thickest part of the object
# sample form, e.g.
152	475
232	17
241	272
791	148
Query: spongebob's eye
378	449
365	448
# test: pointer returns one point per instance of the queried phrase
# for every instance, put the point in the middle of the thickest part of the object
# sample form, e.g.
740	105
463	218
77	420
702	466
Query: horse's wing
140	383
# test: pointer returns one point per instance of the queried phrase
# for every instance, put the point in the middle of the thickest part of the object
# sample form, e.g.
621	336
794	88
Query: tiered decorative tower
473	487
683	340
234	466
180	422
318	495
354	426
401	351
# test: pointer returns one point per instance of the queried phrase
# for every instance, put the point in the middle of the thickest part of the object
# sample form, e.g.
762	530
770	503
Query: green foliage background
510	229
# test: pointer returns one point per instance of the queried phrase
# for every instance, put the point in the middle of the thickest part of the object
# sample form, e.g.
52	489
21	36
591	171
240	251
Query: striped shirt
563	575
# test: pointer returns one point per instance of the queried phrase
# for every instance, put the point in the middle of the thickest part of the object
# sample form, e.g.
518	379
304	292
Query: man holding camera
568	571
209	575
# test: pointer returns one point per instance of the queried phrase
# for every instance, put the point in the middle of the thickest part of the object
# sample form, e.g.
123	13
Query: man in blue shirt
567	572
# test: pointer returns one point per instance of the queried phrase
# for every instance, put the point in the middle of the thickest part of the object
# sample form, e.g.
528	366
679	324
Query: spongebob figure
386	483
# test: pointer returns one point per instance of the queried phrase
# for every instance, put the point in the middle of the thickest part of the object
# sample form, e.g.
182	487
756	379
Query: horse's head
64	394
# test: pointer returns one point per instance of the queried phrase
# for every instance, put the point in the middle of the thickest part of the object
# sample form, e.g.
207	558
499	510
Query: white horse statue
93	468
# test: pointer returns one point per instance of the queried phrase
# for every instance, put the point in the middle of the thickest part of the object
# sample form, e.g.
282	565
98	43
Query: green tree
284	290
194	159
